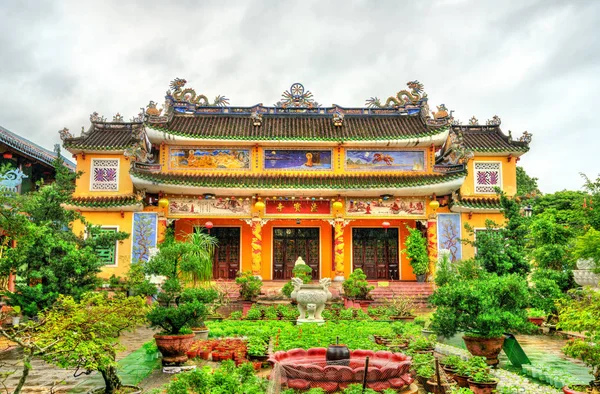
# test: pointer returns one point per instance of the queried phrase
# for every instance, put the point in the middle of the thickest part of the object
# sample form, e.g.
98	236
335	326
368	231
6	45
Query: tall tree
49	259
527	186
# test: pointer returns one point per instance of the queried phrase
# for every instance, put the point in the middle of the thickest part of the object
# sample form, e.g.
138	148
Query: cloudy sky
536	64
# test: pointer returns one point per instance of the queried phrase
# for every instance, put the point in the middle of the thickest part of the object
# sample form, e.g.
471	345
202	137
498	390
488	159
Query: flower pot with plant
356	287
481	381
579	313
416	251
423	365
179	308
250	286
484	307
536	316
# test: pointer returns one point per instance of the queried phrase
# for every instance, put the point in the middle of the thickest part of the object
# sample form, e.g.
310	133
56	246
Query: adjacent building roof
490	139
129	202
105	136
31	149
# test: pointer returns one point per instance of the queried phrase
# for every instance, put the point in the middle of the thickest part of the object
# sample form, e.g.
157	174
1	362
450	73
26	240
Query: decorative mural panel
195	158
288	159
220	206
381	207
298	207
449	230
144	235
487	177
387	160
105	175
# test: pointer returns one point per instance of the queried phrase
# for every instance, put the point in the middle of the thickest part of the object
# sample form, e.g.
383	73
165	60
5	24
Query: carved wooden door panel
226	262
291	243
375	251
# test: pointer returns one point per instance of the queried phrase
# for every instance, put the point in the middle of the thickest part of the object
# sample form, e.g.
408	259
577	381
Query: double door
291	243
226	263
375	251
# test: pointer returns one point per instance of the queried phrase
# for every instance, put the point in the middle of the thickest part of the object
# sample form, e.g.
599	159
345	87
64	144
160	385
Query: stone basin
304	369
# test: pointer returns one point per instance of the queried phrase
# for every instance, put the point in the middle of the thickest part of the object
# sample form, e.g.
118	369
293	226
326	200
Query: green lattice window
107	255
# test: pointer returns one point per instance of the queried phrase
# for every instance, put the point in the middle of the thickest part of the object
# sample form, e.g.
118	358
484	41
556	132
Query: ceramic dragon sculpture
189	95
403	97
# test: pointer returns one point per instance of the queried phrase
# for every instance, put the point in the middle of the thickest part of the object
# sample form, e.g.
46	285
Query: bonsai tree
356	286
180	308
302	271
250	285
580	314
82	335
416	251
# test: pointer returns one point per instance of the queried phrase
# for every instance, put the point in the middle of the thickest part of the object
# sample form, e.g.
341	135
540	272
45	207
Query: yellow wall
508	171
84	165
112	219
477	221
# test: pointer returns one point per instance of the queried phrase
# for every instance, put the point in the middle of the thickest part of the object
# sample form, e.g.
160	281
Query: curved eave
441	188
79	150
157	136
499	153
117	208
465	209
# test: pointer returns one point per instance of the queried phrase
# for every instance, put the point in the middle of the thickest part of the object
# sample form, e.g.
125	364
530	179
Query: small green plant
476	364
250	285
422	343
356	286
453	362
416	251
150	347
401	306
270	313
257	346
460	390
254	313
347	314
236	315
532	312
423	363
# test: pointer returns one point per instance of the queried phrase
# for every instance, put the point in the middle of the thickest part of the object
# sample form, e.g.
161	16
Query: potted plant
400	307
484	308
480	380
356	287
207	296
250	286
151	350
179	309
536	316
416	251
580	313
16	315
423	367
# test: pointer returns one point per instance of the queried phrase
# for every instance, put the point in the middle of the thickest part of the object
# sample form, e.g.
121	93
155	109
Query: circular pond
304	369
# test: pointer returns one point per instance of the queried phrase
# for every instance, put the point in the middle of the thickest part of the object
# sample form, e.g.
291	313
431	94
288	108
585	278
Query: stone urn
585	276
311	299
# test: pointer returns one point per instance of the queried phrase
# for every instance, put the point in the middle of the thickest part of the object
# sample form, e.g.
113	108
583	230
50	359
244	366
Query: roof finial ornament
402	98
189	95
338	118
473	121
151	109
64	134
442	112
495	121
297	97
256	118
526	137
118	118
96	118
459	153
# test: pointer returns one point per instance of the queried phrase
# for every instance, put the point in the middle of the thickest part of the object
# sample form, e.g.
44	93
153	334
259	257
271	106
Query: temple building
336	186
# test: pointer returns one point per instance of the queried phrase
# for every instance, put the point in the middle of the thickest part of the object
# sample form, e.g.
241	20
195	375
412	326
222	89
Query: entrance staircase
384	290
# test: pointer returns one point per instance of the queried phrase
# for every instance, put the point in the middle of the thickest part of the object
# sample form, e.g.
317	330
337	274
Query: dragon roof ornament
526	137
297	97
65	134
402	98
457	151
495	121
189	95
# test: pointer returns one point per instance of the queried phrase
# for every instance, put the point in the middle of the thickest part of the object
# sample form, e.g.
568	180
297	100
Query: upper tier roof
490	139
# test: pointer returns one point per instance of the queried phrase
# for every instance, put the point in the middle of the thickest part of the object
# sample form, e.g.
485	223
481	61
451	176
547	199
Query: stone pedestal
311	299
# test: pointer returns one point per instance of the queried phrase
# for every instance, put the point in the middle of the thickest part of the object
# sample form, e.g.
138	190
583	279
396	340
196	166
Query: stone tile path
45	378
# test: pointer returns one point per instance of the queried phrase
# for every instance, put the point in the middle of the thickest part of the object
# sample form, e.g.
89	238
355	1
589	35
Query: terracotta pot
200	333
100	390
568	390
421	278
204	354
485	347
433	386
246	305
538	321
404	318
482	388
174	347
257	365
461	381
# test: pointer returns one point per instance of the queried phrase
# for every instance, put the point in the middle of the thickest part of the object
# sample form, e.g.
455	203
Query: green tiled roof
105	201
107	137
478	203
299	127
279	181
489	139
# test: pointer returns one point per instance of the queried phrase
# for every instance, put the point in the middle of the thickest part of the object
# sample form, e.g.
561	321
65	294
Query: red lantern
385	225
208	226
7	155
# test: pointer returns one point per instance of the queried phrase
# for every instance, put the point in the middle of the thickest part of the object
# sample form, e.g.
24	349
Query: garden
522	281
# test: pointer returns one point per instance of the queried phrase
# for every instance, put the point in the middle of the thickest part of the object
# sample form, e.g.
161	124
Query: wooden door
375	251
226	262
291	243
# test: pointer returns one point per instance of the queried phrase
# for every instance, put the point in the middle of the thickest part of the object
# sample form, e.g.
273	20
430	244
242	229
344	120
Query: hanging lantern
259	205
163	202
7	155
337	206
208	225
434	205
385	225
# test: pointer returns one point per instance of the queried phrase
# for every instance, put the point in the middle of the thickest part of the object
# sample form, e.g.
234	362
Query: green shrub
416	251
249	284
302	271
356	286
236	315
254	313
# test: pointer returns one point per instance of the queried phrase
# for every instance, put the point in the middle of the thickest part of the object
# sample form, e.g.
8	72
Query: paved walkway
45	378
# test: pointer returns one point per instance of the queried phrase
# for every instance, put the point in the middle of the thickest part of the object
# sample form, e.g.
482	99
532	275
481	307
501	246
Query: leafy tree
501	249
49	259
527	186
592	186
588	247
82	335
567	208
416	251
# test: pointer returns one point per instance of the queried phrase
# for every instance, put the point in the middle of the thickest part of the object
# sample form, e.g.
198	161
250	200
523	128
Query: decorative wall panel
387	160
487	177
105	175
449	231
289	159
195	158
143	235
220	206
381	207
